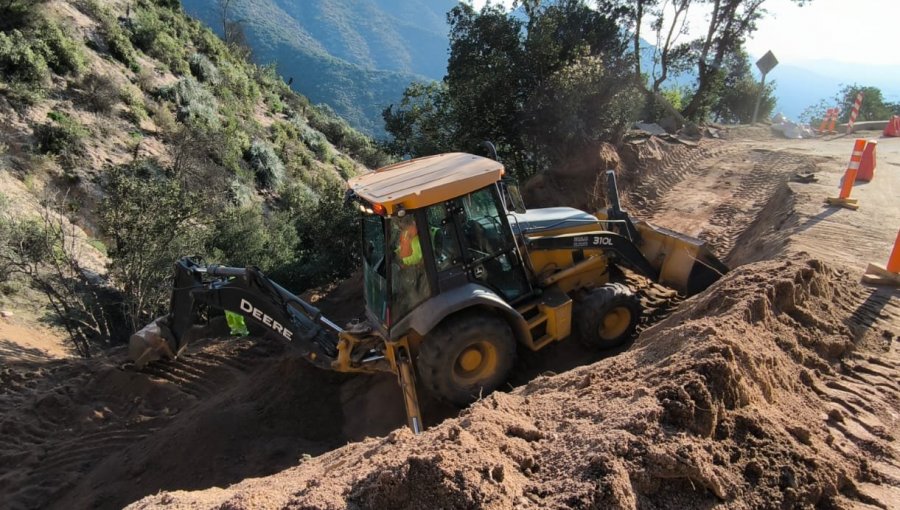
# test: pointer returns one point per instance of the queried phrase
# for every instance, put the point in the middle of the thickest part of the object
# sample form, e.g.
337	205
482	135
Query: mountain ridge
355	56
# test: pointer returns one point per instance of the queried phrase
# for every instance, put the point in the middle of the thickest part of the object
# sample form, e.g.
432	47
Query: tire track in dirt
657	178
730	219
81	412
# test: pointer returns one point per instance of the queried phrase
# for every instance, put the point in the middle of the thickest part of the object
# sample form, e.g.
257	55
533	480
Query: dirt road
725	189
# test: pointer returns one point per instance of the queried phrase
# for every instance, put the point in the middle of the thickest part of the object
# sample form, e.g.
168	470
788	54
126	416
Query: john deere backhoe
458	275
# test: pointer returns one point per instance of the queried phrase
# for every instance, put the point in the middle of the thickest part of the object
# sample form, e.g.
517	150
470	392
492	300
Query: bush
156	38
236	80
63	55
243	237
163	118
119	45
62	136
267	167
19	62
45	250
196	105
100	93
137	110
328	245
315	141
204	70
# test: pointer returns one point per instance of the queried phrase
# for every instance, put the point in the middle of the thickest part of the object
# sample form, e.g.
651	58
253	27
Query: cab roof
426	181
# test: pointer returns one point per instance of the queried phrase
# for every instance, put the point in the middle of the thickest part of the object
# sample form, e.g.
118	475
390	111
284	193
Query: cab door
489	252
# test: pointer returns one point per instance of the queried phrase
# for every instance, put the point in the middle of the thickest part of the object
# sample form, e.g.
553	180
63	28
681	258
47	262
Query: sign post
765	64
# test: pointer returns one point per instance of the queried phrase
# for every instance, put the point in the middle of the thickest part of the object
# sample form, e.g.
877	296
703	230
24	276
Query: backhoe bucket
684	262
154	341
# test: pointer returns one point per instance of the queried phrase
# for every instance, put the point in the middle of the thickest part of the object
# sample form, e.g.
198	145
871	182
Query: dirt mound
772	389
578	182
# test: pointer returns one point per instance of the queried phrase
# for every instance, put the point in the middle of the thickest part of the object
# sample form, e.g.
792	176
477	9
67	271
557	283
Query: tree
151	220
740	89
537	87
419	124
233	30
873	106
46	250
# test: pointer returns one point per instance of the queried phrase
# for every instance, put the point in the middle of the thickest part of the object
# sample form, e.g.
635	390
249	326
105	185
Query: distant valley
357	56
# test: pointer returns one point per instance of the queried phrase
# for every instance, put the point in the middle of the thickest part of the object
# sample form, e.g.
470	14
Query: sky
861	31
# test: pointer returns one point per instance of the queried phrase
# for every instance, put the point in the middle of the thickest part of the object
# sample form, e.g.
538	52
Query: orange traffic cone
825	120
886	275
834	117
893	127
867	164
844	200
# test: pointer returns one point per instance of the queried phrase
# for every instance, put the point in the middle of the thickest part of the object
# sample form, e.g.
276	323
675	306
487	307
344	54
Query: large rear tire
466	357
608	316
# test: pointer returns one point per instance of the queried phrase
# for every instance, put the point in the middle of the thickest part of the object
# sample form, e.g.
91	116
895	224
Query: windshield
374	266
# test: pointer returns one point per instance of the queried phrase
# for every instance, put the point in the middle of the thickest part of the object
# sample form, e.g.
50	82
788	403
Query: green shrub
267	167
64	55
273	100
234	142
137	110
119	45
204	70
171	52
195	104
243	236
150	221
18	14
327	230
163	118
20	63
209	43
62	136
316	141
236	80
156	37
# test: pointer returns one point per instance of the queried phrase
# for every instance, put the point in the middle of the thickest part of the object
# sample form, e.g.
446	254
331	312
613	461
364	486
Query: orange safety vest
410	251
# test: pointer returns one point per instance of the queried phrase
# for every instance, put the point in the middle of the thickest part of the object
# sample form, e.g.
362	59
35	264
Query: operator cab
431	225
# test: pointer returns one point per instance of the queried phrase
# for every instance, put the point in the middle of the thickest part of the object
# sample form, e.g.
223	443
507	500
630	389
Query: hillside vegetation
145	138
356	56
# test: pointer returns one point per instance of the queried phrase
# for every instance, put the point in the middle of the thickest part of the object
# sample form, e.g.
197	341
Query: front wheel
466	357
608	316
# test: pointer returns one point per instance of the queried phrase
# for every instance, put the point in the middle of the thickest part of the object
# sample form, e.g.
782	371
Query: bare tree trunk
639	16
680	9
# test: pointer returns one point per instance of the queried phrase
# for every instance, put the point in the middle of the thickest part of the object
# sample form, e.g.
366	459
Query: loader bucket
684	262
154	341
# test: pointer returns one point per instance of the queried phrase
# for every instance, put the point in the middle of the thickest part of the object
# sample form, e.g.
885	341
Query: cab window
409	281
444	240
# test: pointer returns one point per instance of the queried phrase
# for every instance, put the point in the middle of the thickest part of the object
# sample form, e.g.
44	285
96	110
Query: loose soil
777	387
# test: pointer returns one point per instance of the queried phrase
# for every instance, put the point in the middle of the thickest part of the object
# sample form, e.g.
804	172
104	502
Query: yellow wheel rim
476	363
615	323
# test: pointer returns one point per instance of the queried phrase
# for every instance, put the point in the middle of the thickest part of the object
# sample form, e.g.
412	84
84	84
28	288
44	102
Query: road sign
767	62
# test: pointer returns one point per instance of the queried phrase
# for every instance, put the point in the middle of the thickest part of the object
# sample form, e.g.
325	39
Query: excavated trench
95	433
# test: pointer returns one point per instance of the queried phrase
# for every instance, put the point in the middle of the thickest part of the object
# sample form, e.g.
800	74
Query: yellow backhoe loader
458	275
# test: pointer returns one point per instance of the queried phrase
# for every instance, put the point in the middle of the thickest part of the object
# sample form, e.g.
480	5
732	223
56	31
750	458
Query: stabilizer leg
407	379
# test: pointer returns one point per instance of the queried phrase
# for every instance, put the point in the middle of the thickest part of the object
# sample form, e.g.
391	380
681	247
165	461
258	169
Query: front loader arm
622	249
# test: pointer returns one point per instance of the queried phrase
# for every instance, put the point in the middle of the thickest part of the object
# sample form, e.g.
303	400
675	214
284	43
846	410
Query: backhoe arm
245	291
